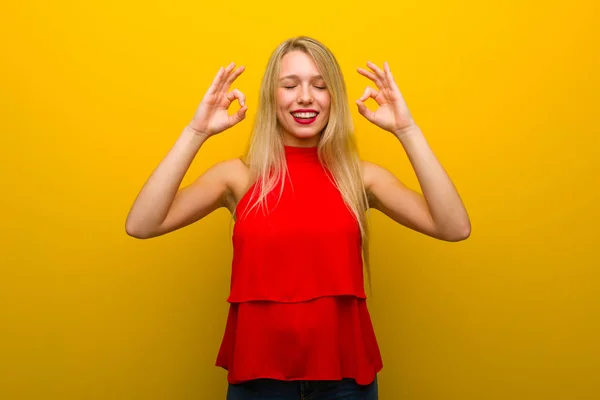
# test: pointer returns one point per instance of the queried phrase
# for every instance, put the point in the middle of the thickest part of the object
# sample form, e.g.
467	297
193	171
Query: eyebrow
297	77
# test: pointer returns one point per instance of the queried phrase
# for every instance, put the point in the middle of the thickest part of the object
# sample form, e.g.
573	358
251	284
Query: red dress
297	301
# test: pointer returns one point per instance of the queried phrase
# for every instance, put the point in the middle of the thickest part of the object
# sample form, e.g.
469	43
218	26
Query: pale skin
162	206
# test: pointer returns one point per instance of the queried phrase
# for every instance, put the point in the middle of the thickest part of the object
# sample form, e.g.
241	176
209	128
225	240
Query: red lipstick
305	121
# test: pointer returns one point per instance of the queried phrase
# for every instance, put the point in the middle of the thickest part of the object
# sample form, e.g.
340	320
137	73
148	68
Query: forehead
298	63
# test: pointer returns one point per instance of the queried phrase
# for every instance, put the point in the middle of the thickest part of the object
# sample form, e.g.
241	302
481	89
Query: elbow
136	232
457	234
459	237
461	234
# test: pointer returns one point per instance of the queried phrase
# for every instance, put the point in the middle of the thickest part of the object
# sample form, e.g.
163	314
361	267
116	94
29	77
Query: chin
305	135
308	133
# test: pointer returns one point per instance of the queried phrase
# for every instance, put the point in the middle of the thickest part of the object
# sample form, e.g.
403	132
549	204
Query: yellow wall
93	95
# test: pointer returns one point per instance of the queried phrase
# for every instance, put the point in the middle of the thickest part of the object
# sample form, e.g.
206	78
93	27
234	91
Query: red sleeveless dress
297	301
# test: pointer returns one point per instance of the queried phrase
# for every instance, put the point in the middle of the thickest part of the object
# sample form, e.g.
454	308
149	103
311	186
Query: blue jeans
271	389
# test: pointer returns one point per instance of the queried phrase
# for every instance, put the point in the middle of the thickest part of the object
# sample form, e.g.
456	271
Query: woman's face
302	100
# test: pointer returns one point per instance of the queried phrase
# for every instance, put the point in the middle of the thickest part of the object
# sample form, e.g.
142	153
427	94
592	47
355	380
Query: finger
236	94
386	69
380	74
389	75
372	93
369	92
371	76
225	75
376	69
214	86
238	116
364	111
232	77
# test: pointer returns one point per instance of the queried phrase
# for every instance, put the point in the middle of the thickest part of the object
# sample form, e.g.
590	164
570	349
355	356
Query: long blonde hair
337	151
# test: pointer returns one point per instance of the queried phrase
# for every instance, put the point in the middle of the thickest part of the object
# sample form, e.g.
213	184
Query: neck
297	153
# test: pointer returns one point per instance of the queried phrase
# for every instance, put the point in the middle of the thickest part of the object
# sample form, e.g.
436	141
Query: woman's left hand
392	114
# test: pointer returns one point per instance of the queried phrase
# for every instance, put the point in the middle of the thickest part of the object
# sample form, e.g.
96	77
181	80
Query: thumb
364	111
238	116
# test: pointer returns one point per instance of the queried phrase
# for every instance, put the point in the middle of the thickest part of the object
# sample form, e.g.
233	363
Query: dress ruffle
327	338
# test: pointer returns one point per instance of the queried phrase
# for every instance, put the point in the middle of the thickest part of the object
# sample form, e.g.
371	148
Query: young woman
298	325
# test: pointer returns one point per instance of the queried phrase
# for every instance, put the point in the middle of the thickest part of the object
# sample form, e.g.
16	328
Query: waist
328	338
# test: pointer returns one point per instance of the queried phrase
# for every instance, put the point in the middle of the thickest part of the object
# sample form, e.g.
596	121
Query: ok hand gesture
212	117
392	114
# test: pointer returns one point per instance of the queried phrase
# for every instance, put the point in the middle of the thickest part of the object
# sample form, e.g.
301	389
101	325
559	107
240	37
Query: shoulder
381	185
232	172
235	175
228	169
231	166
372	174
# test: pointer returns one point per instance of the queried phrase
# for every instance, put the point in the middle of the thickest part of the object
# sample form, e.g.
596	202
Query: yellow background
93	94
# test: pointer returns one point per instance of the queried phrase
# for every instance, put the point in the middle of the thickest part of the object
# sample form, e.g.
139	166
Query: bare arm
438	212
161	206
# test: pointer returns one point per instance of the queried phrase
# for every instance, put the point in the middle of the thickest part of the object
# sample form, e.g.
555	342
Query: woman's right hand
212	117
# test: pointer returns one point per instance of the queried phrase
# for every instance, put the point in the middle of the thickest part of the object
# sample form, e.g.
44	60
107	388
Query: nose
304	95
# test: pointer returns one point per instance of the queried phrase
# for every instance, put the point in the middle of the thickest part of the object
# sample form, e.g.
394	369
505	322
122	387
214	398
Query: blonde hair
337	151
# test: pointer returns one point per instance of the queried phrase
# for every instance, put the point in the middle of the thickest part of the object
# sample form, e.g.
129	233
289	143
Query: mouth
304	117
